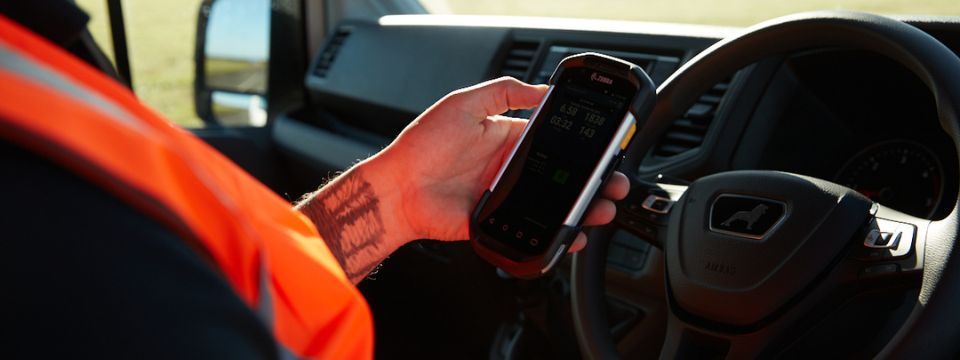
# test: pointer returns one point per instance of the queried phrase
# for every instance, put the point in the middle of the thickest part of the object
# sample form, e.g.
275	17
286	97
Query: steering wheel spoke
645	212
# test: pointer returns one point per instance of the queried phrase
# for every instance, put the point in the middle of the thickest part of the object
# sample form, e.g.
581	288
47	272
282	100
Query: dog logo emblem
750	217
746	216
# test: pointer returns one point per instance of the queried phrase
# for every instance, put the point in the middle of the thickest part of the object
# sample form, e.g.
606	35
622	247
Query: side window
160	36
222	85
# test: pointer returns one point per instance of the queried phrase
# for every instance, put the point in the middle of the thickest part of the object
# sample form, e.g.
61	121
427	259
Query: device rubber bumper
512	261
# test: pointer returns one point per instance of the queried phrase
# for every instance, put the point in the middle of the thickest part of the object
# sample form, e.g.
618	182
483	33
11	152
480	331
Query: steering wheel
750	255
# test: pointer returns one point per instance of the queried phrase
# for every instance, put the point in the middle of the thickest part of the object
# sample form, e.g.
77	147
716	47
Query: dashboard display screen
556	158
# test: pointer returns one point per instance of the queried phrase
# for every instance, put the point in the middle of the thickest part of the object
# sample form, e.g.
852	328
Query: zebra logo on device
601	79
746	216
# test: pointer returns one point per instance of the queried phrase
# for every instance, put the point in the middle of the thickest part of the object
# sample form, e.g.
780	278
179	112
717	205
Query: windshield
712	12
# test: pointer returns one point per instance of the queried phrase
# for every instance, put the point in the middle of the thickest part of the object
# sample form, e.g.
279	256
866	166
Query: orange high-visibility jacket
272	256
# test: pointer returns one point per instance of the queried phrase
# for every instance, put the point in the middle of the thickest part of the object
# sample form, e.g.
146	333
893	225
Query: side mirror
231	55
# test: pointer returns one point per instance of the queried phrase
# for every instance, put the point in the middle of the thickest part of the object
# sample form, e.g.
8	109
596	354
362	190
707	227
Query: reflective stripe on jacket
271	255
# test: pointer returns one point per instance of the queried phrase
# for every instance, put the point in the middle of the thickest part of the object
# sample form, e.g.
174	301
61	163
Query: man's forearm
348	213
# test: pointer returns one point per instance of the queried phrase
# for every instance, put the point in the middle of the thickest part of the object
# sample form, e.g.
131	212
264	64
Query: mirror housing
231	62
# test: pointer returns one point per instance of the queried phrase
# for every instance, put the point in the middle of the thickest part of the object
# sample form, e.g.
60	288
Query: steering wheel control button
879	270
746	216
902	235
887	239
645	212
877	240
657	204
652	206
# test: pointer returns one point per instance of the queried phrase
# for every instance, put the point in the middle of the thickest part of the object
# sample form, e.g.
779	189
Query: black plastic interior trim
317	145
286	64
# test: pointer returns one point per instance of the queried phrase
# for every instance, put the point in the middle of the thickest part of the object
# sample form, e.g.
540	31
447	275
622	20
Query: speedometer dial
903	175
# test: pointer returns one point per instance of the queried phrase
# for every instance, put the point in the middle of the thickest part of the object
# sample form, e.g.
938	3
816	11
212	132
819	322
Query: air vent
519	58
329	53
644	61
687	132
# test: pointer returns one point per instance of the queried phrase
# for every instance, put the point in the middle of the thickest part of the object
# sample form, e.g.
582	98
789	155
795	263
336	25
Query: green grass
161	37
237	74
218	66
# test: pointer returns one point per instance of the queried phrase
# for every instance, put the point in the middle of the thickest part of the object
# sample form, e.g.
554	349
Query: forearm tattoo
347	215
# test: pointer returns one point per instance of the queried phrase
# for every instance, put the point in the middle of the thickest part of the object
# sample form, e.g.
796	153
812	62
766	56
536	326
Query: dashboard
854	118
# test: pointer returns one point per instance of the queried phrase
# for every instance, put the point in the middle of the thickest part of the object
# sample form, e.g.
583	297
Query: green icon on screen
560	176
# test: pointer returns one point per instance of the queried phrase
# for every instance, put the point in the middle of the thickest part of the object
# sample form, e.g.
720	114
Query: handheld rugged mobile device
533	210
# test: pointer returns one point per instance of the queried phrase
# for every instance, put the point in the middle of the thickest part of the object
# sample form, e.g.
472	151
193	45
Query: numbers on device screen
560	122
591	121
587	132
594	119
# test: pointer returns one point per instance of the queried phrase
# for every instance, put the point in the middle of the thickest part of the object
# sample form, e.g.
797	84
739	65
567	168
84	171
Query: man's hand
446	158
427	182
